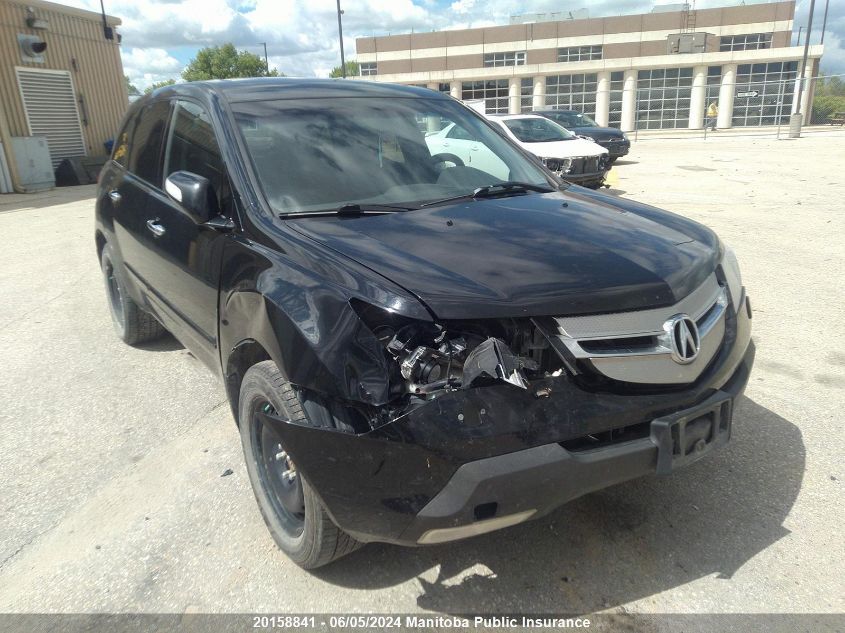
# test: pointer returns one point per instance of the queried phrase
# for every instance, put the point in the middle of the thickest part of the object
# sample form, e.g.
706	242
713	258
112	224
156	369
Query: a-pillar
629	101
698	98
603	98
727	92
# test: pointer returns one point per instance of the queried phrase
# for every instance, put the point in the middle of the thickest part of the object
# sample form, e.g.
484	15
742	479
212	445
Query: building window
368	69
749	42
447	88
513	58
493	91
578	53
663	98
526	95
764	93
617	84
572	92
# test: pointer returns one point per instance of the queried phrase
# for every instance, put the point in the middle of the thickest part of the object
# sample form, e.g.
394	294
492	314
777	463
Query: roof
262	88
62	8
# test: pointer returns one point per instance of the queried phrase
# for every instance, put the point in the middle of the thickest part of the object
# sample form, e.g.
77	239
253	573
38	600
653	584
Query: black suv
614	141
415	348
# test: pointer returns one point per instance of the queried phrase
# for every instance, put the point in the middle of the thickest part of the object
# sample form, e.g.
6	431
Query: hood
565	149
598	132
528	255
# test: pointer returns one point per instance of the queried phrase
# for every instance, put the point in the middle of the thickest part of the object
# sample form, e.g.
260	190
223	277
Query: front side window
192	146
316	155
146	142
537	130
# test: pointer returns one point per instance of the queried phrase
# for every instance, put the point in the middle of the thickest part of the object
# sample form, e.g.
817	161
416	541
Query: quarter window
146	142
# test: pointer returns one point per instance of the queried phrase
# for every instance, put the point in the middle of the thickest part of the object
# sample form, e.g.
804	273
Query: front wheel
294	514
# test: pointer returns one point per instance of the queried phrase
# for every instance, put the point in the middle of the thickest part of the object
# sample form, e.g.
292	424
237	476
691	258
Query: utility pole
796	119
824	21
798	43
340	35
266	63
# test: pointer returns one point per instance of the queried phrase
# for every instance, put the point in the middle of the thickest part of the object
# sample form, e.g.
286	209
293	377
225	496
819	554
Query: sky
161	36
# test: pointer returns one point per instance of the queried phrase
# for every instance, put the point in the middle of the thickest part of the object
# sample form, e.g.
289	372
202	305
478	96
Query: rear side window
192	146
145	150
120	154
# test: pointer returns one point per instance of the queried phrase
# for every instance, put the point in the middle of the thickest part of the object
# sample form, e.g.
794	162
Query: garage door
50	105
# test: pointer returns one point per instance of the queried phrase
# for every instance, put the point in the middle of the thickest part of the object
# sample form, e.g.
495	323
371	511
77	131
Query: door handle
155	228
115	196
474	148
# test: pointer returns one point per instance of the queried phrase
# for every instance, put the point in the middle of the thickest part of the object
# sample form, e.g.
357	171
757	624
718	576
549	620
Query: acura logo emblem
683	334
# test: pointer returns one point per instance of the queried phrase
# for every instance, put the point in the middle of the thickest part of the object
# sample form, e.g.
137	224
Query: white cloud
301	35
145	66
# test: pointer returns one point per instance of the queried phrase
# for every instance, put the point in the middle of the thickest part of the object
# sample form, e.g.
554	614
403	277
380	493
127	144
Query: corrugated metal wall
75	43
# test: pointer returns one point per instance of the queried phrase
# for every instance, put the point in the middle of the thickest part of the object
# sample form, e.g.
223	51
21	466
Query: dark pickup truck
414	350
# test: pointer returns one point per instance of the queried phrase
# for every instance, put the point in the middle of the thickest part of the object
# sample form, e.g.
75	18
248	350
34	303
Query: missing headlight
432	358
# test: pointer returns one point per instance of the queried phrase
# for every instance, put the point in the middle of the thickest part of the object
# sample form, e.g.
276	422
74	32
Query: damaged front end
430	359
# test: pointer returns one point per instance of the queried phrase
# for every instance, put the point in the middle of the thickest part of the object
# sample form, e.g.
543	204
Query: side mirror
194	193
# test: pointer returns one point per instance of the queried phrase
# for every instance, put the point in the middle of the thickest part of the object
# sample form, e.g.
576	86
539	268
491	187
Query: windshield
573	119
313	155
537	130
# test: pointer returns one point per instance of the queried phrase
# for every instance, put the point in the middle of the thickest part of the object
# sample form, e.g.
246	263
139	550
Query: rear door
181	263
138	152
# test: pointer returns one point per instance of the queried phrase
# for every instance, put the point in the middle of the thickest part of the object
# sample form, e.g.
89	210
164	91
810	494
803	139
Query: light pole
340	35
824	21
266	63
796	119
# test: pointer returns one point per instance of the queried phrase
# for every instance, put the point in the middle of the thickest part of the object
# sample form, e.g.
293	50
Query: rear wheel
294	514
132	324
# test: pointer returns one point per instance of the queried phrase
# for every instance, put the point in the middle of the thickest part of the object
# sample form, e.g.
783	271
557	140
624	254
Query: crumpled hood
565	149
529	255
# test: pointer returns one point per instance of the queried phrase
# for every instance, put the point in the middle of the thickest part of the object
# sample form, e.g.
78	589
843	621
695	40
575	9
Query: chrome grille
636	346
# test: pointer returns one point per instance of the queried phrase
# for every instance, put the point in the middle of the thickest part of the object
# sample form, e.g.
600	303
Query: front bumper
594	178
616	149
479	459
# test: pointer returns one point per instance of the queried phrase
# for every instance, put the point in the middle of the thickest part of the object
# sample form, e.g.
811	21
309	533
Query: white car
571	157
453	144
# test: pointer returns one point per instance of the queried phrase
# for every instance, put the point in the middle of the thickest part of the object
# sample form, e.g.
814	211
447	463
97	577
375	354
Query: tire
132	324
306	534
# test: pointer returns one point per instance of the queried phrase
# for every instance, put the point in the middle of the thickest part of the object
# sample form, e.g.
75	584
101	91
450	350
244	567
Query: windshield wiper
497	189
347	210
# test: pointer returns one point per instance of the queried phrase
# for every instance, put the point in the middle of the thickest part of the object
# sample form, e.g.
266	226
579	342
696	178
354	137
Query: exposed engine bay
432	358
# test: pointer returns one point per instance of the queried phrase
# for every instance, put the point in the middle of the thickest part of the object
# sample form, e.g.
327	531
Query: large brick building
649	71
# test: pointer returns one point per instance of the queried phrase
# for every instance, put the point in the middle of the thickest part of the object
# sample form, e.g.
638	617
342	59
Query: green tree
159	84
352	70
132	90
225	62
829	99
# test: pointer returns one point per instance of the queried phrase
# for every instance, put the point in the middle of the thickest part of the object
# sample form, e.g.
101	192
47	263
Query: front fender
296	306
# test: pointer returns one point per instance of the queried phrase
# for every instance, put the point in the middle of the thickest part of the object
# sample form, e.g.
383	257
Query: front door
182	274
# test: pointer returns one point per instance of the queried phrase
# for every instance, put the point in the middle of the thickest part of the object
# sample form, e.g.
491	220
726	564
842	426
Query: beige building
61	77
650	71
